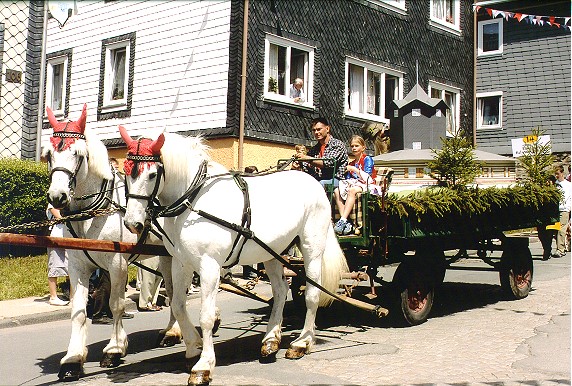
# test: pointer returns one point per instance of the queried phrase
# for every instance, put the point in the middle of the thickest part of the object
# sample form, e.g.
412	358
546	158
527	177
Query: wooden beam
84	244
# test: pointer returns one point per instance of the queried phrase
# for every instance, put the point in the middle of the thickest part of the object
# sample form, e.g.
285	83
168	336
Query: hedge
22	199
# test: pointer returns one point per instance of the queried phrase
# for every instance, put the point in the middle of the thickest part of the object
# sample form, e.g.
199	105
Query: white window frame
108	102
382	71
481	24
394	5
308	71
435	21
479	96
52	62
457	108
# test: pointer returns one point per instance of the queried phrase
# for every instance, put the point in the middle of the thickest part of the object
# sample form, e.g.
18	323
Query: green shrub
22	198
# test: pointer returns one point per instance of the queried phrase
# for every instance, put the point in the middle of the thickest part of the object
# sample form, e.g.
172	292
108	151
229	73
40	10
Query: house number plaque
13	76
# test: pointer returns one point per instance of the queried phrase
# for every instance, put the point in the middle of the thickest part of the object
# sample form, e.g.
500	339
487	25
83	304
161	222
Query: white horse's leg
181	280
170	335
202	371
71	365
271	341
313	267
117	346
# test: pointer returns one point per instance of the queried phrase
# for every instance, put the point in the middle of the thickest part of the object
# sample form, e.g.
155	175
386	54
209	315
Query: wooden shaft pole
87	244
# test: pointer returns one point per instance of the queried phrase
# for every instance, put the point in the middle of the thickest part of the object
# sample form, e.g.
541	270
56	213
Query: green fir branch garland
451	210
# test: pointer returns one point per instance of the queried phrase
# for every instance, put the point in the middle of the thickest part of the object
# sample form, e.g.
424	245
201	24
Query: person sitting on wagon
360	176
331	169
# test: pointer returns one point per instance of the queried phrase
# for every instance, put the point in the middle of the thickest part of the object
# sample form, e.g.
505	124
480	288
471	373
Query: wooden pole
84	244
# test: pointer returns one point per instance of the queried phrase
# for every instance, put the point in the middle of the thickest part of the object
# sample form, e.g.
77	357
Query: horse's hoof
269	348
168	340
295	353
199	377
110	360
70	372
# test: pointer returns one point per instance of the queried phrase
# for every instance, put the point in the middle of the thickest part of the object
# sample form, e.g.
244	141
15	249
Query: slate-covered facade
529	74
369	31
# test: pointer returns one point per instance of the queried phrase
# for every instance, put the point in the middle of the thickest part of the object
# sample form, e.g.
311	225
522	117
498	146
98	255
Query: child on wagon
360	176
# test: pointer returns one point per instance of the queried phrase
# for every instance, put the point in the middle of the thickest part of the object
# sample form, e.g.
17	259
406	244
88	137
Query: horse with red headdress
211	217
82	182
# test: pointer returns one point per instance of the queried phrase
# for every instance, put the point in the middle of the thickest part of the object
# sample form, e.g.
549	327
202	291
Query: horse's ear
157	144
82	119
126	138
52	118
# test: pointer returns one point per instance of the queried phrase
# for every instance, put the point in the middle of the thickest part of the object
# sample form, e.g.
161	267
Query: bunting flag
553	21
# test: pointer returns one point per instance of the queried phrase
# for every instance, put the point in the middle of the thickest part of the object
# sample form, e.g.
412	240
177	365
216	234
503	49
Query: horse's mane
181	155
98	156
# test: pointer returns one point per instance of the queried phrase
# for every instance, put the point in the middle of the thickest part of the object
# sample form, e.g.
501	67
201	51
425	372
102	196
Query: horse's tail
333	265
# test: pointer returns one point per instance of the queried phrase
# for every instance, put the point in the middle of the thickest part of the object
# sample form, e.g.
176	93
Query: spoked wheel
516	271
416	290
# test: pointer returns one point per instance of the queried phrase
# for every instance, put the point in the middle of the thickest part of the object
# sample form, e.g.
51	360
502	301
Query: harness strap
245	222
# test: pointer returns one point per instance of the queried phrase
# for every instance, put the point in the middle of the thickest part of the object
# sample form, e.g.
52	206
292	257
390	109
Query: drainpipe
243	87
41	85
475	32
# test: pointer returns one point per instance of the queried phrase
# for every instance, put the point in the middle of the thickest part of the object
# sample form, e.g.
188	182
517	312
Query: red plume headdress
66	133
140	152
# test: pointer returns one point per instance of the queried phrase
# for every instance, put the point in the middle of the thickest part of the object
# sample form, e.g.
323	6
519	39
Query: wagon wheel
516	271
416	289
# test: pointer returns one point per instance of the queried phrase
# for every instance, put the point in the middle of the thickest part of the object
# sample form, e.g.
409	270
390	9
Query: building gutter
243	87
41	85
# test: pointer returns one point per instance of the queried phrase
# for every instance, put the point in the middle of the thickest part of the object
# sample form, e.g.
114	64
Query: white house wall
181	55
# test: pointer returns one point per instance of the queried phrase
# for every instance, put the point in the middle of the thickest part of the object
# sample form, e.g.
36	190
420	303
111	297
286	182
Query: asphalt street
474	337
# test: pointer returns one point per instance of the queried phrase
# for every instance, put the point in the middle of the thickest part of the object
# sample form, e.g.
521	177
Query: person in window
297	91
360	176
331	169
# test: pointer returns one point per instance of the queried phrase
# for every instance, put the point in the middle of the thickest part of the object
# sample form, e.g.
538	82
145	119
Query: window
116	77
446	14
58	76
490	37
489	110
285	61
370	90
452	97
395	5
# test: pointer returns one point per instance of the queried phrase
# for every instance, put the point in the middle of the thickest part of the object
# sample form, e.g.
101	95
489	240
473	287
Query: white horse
287	207
82	178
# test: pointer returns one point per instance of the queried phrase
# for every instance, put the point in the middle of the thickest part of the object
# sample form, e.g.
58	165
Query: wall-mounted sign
518	143
415	112
13	76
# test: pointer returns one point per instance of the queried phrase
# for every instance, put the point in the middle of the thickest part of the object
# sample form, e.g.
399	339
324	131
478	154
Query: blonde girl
360	176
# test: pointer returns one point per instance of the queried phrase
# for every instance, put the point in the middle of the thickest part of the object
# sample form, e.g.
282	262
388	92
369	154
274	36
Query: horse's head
144	178
66	155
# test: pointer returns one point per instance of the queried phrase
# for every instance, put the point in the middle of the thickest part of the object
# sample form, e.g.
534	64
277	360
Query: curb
51	316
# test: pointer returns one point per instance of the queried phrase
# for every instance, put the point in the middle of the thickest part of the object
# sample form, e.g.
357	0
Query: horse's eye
152	175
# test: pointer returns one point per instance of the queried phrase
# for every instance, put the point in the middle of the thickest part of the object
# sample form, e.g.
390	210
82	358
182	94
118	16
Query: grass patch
23	277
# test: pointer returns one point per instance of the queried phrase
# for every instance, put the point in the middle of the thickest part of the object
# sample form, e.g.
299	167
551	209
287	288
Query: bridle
71	174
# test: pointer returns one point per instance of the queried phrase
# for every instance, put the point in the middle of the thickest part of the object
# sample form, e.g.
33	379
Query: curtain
273	63
355	77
